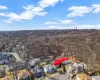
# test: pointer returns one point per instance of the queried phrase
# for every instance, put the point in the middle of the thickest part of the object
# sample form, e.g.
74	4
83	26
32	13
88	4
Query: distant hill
82	44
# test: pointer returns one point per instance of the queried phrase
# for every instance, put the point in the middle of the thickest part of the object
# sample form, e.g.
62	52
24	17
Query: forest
81	44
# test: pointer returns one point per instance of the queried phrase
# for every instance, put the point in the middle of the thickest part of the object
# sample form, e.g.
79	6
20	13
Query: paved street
59	77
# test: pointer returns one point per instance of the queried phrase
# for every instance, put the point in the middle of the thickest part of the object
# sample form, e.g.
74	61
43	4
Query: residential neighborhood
35	69
49	39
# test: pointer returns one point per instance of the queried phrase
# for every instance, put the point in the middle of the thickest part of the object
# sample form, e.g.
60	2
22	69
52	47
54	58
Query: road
16	56
59	77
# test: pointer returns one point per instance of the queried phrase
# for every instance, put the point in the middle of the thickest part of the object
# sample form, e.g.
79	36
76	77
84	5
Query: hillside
82	44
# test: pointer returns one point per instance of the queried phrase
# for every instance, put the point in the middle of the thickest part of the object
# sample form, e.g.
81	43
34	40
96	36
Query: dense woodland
82	44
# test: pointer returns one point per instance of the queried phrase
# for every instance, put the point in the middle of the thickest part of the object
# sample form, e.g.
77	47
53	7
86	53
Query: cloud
96	8
86	26
56	27
66	21
79	11
72	27
51	23
3	7
61	22
82	10
47	3
33	8
97	26
28	14
62	0
2	14
7	21
30	11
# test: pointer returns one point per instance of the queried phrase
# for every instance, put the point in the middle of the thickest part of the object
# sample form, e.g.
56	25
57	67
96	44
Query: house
32	62
49	68
23	75
78	67
2	74
15	66
45	67
6	58
17	76
96	77
82	77
7	78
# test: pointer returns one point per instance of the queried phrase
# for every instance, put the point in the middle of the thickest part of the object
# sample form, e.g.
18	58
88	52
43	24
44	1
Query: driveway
59	77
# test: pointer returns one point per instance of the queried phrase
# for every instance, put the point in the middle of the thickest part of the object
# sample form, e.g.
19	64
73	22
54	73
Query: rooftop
2	74
96	77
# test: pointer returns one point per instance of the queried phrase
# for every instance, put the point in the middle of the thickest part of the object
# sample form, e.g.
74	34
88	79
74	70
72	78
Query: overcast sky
49	14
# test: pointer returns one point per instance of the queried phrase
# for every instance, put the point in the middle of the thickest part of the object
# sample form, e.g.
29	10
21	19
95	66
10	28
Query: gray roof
3	58
96	77
5	53
15	64
33	61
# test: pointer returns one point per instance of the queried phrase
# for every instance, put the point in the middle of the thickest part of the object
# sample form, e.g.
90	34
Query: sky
49	14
